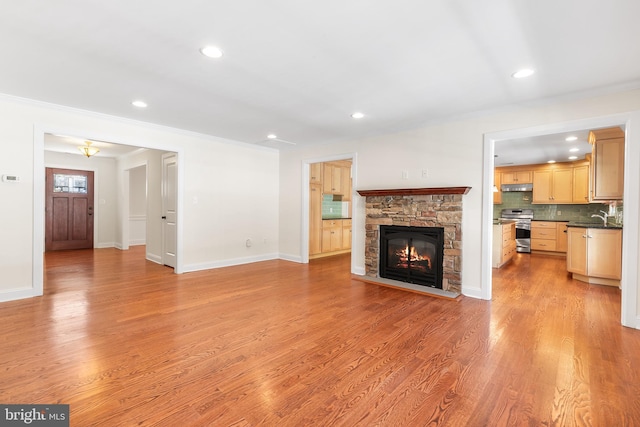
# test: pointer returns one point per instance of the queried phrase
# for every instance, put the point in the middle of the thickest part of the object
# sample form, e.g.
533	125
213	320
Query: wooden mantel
415	191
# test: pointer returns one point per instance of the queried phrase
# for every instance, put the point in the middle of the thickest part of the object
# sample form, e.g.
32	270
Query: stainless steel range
523	218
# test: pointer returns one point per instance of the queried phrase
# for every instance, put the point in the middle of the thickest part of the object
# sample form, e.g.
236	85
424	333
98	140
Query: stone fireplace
424	208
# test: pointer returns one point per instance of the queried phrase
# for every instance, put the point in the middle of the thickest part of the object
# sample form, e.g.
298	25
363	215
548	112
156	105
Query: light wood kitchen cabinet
331	235
315	219
337	179
332	179
346	234
517	177
345	180
594	255
549	236
315	173
561	237
497	182
553	186
607	167
504	244
581	184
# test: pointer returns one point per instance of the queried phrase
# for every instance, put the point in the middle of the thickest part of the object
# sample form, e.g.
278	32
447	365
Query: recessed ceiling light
574	150
573	157
139	104
272	136
357	115
525	72
571	138
551	161
212	52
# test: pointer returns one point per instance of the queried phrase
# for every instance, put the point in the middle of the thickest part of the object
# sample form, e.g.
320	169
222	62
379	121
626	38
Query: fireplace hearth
412	254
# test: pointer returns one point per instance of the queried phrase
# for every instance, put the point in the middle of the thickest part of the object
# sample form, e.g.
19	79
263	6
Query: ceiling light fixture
574	150
88	150
272	136
525	72
571	138
357	115
551	161
212	52
573	157
139	104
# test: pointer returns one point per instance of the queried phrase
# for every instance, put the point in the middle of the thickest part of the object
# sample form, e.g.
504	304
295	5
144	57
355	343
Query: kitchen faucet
603	217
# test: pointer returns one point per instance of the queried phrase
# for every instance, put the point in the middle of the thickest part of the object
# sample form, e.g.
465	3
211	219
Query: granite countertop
499	221
590	224
552	220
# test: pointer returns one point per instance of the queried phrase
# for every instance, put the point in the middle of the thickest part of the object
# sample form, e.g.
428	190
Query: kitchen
570	208
330	188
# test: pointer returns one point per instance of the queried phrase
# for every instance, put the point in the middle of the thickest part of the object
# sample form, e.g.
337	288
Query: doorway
69	209
629	283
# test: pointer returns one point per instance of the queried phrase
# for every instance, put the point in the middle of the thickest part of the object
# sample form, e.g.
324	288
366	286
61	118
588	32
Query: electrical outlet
559	213
425	173
405	174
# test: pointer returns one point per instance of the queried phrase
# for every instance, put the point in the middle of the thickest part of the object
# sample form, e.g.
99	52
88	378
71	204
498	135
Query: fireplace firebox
412	254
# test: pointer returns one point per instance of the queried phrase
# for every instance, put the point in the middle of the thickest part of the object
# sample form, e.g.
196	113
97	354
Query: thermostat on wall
10	178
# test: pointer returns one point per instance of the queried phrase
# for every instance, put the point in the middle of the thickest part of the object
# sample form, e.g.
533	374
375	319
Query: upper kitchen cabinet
497	193
553	185
517	177
337	178
607	164
581	183
315	173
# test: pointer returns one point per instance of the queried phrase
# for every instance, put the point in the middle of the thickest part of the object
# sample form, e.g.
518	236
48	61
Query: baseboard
228	262
360	271
154	258
16	294
472	292
104	245
292	258
138	242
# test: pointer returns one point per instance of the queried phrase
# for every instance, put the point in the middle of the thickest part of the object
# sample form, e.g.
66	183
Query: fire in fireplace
412	254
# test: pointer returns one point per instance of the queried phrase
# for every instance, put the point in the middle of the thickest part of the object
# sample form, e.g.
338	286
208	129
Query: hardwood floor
127	342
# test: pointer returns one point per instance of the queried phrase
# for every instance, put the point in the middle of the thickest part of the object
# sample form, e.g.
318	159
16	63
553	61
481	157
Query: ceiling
299	69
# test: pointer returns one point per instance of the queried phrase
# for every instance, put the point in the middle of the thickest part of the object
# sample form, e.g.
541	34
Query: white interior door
169	206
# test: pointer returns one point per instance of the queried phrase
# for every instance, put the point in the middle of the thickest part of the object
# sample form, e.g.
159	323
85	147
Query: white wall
228	191
454	156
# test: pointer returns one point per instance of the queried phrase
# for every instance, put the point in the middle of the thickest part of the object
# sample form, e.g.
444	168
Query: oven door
523	236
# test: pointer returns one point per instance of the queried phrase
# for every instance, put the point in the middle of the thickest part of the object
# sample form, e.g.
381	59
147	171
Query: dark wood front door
69	209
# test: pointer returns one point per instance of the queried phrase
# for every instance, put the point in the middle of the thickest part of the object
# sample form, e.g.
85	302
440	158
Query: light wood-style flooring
126	342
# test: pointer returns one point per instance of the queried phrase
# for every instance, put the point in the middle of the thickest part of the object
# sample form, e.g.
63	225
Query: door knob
164	217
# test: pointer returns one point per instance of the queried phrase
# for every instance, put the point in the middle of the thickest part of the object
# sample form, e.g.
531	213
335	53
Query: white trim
631	237
229	262
15	294
39	197
292	258
304	232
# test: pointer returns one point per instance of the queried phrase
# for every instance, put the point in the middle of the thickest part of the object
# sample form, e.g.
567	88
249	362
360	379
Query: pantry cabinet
315	219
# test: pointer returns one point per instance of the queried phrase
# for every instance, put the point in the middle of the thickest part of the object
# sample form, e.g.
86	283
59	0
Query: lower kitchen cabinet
504	244
549	236
336	236
594	255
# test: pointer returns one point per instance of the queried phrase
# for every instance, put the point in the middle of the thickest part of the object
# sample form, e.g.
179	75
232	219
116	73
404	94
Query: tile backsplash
522	200
331	208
